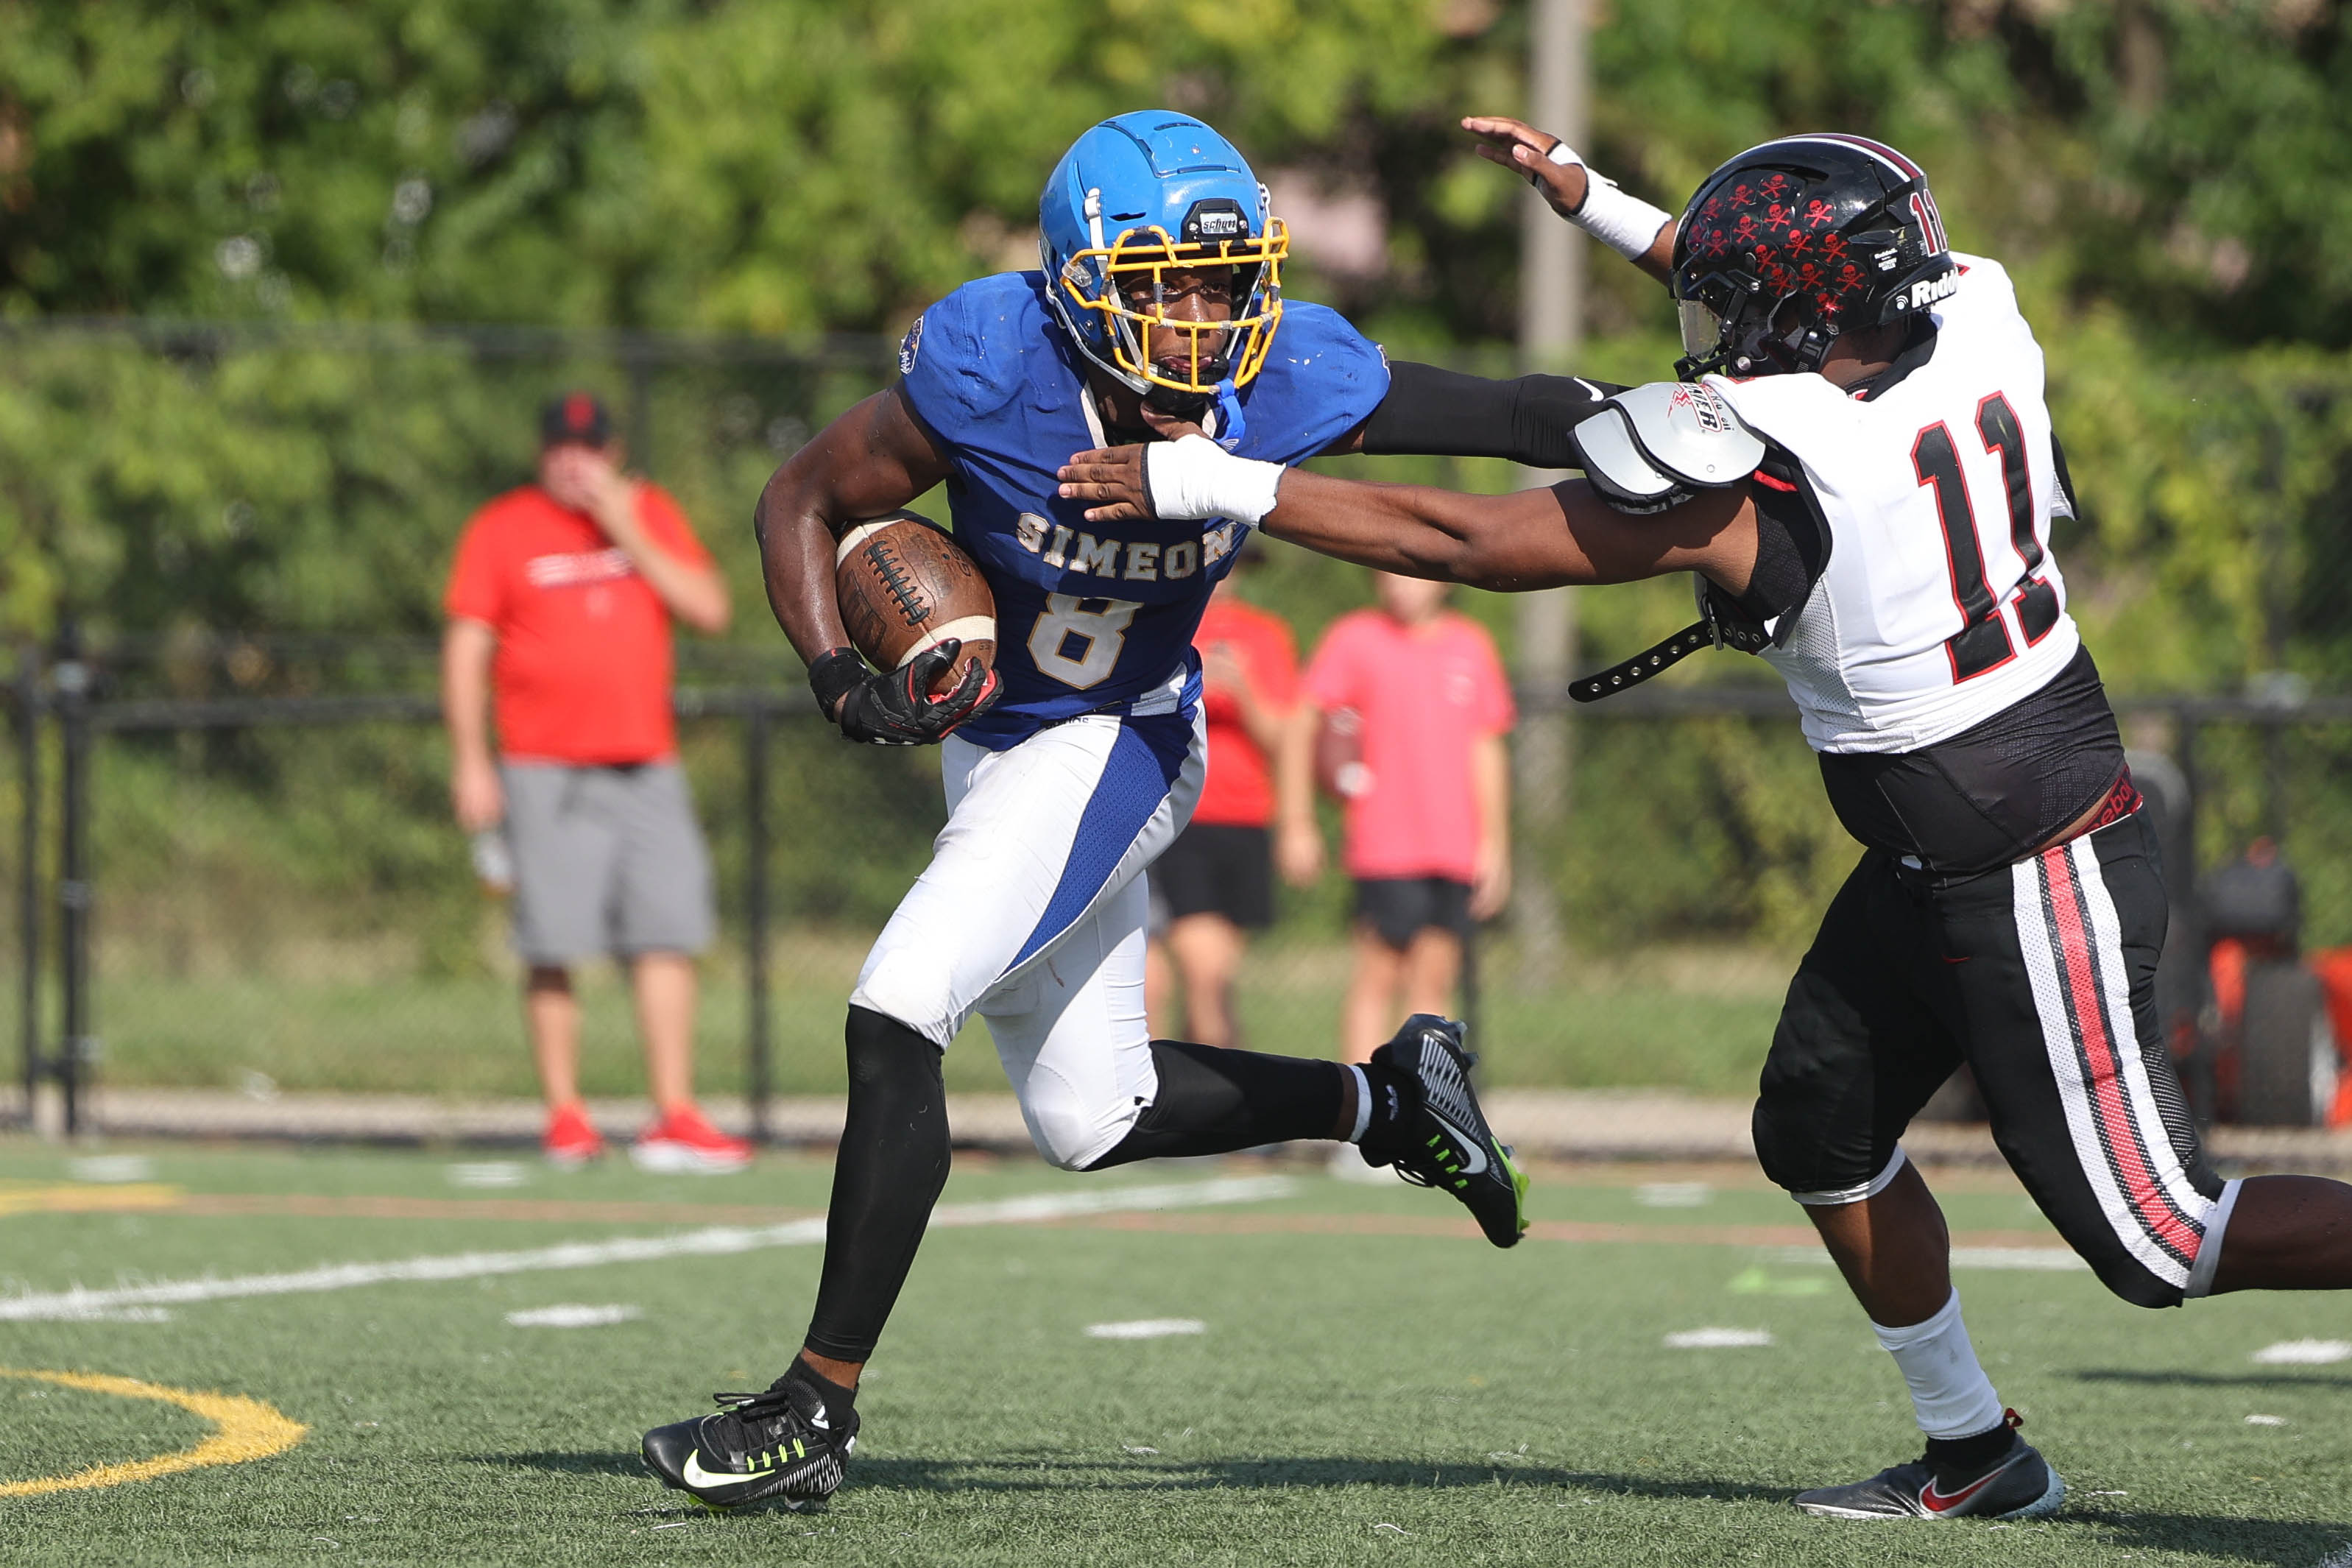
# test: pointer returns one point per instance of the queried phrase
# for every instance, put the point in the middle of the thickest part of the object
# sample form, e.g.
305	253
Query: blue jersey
1090	616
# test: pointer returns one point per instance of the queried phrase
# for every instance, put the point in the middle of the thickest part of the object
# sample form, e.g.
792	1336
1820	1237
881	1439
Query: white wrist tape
1193	479
1626	225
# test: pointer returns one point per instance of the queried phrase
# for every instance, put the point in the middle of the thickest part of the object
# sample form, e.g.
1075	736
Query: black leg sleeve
1212	1100
892	1163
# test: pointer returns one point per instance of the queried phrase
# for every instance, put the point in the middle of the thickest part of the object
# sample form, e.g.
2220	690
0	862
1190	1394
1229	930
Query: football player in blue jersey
1072	762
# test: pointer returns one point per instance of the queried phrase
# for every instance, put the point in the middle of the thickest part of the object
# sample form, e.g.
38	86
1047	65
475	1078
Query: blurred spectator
1215	883
1428	796
560	603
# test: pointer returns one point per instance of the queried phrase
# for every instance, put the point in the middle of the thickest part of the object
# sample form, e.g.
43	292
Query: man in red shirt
560	604
1216	881
1428	835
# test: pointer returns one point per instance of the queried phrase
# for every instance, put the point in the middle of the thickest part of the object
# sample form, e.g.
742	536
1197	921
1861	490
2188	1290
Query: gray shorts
607	860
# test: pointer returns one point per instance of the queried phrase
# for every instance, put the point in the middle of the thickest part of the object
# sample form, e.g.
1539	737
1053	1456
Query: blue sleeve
953	363
1322	379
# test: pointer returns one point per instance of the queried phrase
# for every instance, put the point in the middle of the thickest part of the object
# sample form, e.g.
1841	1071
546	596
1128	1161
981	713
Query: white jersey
1940	604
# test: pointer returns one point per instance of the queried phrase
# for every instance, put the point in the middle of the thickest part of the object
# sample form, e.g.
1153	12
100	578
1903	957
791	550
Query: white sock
1948	1388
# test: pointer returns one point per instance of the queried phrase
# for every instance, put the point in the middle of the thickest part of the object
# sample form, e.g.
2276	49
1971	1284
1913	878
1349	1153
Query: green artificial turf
1356	1398
462	1036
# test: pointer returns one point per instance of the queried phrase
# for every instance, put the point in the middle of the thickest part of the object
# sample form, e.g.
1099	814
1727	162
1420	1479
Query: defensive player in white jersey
1859	467
1071	764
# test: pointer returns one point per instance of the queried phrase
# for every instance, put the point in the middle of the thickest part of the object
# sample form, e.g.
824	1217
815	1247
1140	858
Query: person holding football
1858	466
1077	759
1428	840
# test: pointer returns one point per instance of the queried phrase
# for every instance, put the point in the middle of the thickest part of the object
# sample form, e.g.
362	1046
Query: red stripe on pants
2116	1129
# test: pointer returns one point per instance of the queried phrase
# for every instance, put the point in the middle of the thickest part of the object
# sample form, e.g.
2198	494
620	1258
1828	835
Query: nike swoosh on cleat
694	1475
1936	1501
1473	1150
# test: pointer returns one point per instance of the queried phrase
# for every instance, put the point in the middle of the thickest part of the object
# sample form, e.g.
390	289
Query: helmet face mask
1133	284
1793	244
1147	213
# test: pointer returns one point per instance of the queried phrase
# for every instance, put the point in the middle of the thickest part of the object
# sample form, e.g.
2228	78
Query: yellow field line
138	1198
243	1429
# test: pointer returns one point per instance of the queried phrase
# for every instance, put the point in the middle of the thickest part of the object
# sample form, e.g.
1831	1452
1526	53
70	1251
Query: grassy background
1693	1020
1490	1408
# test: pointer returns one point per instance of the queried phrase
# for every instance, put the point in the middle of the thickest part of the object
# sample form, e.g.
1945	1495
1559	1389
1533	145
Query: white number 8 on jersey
1099	635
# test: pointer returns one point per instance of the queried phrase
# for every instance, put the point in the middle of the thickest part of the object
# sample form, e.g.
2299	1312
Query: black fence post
755	912
640	370
72	680
2274	782
2186	752
28	870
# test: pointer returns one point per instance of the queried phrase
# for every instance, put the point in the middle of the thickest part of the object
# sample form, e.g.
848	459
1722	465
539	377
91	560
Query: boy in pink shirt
1428	819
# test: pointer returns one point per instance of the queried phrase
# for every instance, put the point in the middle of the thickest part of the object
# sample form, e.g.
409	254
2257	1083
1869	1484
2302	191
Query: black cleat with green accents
1444	1141
775	1446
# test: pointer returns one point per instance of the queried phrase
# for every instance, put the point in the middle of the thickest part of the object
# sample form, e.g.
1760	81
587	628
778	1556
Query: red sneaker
572	1138
683	1142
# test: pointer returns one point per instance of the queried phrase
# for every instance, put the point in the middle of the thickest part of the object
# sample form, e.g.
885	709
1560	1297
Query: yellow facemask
1233	349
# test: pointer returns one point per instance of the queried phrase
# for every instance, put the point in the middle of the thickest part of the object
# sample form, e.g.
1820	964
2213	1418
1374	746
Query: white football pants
1032	913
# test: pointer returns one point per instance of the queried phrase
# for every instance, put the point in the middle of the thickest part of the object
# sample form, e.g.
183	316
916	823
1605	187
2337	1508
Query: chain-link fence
233	864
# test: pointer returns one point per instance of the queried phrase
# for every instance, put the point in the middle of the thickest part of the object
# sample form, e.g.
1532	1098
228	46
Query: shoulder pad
1652	447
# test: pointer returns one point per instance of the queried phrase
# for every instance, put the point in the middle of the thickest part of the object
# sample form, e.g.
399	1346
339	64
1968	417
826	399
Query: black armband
1792	541
834	676
1440	412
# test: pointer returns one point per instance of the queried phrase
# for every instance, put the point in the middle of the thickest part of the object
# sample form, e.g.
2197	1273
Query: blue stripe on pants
1136	778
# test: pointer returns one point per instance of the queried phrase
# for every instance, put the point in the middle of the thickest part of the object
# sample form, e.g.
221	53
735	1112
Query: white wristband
1193	479
1626	225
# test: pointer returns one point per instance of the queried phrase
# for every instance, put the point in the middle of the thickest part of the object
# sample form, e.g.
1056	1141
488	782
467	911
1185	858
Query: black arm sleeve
1445	414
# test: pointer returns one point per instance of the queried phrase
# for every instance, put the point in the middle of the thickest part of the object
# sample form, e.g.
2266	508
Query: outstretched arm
1510	544
1430	411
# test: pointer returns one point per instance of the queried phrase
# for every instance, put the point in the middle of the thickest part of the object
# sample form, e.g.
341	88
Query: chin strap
1644	665
1712	630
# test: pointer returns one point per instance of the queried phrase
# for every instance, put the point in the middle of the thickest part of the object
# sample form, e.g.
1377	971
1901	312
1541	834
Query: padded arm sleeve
1445	414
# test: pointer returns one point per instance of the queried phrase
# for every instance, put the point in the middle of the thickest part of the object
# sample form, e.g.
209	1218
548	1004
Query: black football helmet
1794	242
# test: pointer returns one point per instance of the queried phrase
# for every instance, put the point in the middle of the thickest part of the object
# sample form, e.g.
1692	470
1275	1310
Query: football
903	586
1339	765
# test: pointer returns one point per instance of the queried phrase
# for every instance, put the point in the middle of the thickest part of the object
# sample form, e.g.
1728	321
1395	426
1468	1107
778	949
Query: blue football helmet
1135	199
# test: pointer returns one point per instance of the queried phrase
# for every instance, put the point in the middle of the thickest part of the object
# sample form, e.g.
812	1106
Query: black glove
895	707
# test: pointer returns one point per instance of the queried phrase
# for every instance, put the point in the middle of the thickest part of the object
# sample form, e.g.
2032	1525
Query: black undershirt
1992	794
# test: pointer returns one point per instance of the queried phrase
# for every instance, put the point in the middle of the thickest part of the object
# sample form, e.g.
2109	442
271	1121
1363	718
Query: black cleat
775	1446
1444	1141
2020	1484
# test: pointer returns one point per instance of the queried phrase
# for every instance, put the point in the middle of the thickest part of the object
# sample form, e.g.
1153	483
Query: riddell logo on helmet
1926	291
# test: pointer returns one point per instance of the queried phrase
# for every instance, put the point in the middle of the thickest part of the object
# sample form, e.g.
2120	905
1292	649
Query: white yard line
713	1241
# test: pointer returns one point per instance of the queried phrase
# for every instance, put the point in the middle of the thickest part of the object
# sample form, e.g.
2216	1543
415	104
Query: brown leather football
1340	765
903	586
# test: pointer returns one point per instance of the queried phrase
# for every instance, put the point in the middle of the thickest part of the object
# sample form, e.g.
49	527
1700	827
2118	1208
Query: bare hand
476	798
1224	670
583	479
1299	854
1490	884
1113	476
612	496
1110	478
1525	151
